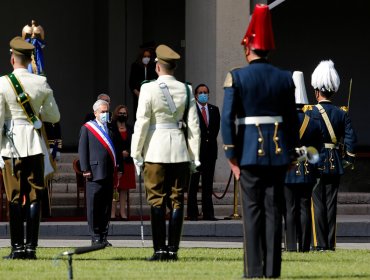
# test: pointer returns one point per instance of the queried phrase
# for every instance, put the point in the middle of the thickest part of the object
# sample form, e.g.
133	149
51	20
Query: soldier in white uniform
22	149
167	152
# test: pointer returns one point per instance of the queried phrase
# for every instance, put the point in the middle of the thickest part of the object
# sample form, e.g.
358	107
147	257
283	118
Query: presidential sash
103	138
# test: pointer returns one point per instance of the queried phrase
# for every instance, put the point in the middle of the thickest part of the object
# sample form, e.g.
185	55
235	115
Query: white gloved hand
138	165
193	166
57	156
2	163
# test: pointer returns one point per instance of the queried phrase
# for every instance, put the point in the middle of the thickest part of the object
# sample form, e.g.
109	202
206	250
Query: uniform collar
259	60
325	101
20	70
166	78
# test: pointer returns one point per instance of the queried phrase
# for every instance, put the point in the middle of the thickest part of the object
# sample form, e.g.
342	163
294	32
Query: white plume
325	77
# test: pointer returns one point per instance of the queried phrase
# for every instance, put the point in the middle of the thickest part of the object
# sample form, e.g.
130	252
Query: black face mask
122	118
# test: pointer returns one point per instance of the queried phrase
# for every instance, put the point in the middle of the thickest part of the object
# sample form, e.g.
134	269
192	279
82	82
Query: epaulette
307	108
344	108
229	78
146	81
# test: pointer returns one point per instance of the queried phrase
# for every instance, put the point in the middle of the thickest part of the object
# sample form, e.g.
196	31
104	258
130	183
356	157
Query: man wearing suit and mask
168	154
209	122
98	160
22	147
261	98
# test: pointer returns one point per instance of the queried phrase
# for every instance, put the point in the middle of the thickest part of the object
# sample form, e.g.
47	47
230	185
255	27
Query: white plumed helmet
300	89
325	78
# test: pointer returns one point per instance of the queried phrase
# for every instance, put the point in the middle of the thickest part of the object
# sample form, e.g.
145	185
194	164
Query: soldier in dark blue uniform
259	150
335	126
301	179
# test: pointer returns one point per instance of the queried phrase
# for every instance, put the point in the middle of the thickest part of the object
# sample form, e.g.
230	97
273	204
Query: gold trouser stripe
313	225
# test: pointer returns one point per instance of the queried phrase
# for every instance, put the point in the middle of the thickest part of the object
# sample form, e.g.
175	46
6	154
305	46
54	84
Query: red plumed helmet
259	33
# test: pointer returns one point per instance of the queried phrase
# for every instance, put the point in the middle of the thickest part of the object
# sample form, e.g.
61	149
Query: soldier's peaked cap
21	47
166	55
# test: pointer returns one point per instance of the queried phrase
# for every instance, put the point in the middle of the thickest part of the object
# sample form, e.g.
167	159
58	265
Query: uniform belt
330	146
17	122
164	126
260	120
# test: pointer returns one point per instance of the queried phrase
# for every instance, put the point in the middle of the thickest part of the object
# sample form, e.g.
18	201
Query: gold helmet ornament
27	32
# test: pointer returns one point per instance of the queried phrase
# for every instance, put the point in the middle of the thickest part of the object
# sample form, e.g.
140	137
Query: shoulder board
307	108
146	81
344	108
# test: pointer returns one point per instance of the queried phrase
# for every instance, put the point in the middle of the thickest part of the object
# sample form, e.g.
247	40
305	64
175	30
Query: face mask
145	60
104	117
203	97
122	118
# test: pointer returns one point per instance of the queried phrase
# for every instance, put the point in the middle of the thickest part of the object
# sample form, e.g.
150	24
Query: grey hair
102	95
98	103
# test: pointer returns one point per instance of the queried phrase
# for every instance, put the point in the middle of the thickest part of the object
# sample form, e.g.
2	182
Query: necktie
204	114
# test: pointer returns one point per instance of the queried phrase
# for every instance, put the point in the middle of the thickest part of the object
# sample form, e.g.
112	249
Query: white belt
8	123
330	146
164	126
260	120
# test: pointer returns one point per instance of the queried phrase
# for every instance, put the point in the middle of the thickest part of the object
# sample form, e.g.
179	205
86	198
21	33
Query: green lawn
194	263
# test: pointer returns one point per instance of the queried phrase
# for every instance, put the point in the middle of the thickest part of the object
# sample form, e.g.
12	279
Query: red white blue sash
103	138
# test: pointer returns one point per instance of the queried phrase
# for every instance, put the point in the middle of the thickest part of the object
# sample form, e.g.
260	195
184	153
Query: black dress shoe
31	254
107	243
16	254
192	218
159	255
172	256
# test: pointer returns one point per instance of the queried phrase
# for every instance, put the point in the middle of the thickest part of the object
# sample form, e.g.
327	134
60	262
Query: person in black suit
98	159
209	122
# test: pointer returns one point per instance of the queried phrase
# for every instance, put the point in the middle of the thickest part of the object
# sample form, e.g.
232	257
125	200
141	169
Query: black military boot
16	231
33	225
158	222
174	232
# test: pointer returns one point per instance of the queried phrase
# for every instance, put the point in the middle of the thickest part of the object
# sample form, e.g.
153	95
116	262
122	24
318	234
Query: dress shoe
106	243
192	218
172	256
160	255
16	254
30	254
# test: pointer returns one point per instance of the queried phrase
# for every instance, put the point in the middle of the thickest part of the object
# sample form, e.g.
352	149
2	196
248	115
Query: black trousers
297	216
262	190
207	171
99	197
324	198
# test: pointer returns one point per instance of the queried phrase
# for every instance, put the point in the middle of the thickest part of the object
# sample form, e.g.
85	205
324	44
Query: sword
275	3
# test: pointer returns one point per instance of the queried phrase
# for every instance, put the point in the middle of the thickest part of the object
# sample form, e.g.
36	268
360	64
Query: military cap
166	55
21	47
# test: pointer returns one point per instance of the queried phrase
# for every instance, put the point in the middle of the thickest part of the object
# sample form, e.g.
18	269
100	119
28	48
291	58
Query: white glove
193	166
57	156
138	165
2	163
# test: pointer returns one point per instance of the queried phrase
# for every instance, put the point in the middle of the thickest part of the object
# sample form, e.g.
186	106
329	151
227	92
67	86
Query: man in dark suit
209	123
98	159
261	98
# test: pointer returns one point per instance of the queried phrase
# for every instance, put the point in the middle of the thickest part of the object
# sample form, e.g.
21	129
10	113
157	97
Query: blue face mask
104	117
203	97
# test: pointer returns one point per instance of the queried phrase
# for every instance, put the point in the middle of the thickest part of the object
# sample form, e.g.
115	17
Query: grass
194	263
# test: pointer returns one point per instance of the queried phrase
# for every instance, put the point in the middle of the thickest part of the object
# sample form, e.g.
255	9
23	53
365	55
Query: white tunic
25	137
164	145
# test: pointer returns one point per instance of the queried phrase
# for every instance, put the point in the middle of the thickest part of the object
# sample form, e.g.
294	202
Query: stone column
214	30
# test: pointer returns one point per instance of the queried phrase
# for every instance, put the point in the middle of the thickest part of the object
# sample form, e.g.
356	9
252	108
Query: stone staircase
64	197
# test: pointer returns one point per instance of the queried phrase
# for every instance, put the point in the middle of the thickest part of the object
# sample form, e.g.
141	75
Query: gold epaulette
307	108
344	108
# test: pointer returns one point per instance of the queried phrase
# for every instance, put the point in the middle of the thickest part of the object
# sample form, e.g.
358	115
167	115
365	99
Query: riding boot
16	231
33	225
174	232
158	222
